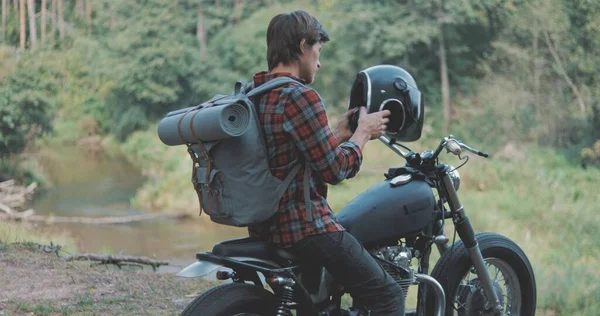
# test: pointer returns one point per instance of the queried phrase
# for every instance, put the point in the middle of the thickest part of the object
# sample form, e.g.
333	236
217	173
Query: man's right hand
370	126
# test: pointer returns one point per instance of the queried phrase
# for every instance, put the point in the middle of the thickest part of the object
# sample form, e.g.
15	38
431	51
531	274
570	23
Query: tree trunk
54	19
563	72
43	30
3	30
79	8
88	16
113	20
201	32
32	26
536	72
237	11
22	25
444	79
61	19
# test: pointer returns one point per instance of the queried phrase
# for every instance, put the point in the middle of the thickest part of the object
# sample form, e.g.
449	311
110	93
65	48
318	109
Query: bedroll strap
195	164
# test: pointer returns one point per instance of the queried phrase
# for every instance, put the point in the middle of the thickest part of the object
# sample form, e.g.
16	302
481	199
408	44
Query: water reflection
102	186
161	238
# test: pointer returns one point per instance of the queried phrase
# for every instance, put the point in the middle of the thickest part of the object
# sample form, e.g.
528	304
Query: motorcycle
398	221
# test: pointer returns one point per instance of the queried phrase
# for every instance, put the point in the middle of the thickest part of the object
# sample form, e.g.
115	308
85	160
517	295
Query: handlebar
393	146
455	146
450	143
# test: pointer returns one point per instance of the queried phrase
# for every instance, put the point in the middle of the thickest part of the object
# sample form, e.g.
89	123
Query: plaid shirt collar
263	76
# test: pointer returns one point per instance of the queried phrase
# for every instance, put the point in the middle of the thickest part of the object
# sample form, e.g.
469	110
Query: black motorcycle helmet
387	87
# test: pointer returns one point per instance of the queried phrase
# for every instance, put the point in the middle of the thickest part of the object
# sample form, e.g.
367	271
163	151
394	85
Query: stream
100	185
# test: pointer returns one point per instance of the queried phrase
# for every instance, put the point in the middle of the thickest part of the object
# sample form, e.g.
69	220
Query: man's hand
370	126
342	130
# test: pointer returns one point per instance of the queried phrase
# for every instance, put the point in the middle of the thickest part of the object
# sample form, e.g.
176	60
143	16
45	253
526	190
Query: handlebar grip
482	154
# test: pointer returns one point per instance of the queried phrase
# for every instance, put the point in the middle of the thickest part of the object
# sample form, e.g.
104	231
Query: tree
26	97
444	73
43	28
22	24
157	69
61	19
79	10
88	16
54	18
200	31
32	24
3	26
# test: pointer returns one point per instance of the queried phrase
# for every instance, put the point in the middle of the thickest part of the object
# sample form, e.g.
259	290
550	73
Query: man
296	127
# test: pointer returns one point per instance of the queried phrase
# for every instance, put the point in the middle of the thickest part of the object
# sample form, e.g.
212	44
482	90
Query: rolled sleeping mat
204	124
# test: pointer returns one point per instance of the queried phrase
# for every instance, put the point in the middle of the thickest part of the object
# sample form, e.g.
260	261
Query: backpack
231	176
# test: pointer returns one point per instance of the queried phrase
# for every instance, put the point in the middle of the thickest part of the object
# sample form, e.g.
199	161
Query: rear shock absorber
286	296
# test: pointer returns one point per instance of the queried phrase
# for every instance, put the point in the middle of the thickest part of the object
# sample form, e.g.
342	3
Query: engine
400	256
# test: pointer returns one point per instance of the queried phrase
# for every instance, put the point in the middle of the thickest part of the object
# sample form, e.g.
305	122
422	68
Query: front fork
467	235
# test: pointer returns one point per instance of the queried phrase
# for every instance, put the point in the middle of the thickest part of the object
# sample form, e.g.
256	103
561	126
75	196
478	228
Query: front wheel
234	299
508	267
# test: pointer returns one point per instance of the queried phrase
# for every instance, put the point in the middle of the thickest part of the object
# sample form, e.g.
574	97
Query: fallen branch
6	209
15	197
7	183
118	260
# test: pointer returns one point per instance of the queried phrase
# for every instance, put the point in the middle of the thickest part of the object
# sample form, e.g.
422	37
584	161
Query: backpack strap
291	176
307	203
270	85
266	87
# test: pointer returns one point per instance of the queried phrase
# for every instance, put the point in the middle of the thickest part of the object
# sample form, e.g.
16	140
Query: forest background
518	78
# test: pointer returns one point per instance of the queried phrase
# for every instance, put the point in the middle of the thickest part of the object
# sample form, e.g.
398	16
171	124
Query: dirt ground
33	282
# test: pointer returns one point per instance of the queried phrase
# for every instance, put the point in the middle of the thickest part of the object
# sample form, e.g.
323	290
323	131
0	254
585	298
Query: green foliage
152	69
143	59
26	102
168	170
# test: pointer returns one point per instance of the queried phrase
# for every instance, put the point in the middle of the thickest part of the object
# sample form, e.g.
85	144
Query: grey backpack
231	176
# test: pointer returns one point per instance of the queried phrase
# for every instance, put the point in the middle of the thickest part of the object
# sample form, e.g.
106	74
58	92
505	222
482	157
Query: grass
26	233
543	203
77	288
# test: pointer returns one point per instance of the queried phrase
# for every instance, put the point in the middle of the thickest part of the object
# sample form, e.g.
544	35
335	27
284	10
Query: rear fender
204	268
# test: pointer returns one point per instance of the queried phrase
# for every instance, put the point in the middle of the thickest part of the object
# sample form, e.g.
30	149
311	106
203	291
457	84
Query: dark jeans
351	265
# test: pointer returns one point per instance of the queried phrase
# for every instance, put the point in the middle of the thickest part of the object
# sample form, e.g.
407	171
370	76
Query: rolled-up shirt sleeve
306	122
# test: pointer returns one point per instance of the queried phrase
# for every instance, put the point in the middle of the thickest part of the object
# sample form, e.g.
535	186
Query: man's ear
303	45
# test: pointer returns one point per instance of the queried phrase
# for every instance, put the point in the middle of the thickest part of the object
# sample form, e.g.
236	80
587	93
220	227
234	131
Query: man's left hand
342	130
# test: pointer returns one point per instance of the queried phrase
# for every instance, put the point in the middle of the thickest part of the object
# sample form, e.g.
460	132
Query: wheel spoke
469	298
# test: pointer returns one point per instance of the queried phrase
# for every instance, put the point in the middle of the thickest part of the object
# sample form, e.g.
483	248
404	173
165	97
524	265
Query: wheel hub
475	301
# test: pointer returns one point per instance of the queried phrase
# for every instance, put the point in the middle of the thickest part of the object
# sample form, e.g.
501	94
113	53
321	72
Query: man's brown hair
285	33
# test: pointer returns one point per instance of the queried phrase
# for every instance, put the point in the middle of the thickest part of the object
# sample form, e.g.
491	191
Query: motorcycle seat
253	248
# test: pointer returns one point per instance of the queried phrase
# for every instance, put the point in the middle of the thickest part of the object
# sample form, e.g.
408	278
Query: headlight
455	177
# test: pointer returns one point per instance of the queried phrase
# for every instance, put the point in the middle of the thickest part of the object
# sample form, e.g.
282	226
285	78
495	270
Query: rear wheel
234	299
508	267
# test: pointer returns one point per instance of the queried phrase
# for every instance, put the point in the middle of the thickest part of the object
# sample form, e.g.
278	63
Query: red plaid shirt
295	125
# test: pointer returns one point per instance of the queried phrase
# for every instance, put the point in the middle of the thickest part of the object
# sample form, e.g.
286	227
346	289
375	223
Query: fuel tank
384	213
